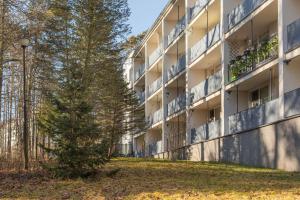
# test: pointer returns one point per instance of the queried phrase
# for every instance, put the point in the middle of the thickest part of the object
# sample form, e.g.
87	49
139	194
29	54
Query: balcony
206	132
206	87
155	148
140	72
293	36
197	8
177	68
214	82
156	85
141	97
155	55
177	104
255	117
205	43
240	12
292	103
176	31
253	58
156	117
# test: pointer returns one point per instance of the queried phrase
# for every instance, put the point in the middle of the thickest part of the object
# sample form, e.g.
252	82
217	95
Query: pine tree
88	106
69	119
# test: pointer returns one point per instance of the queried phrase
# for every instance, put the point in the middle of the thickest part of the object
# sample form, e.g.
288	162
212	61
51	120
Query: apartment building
219	81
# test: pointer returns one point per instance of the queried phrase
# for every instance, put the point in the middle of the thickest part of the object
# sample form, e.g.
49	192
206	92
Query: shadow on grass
152	176
141	179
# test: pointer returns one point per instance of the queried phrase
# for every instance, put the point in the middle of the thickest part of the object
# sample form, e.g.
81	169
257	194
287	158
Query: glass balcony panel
154	118
197	8
177	104
199	91
241	11
206	87
199	134
207	41
177	68
198	49
293	35
157	116
213	35
155	55
176	31
292	103
154	86
206	131
214	82
141	97
140	71
155	148
214	129
255	117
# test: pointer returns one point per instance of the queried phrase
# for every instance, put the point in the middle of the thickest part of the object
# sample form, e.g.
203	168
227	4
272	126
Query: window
214	114
259	96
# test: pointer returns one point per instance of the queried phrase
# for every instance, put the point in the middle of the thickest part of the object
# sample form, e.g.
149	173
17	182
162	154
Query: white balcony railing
155	55
205	43
140	71
206	87
156	85
241	11
293	35
176	31
177	104
177	68
206	131
197	8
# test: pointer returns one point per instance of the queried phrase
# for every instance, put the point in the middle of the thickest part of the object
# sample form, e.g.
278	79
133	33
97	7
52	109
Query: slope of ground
151	179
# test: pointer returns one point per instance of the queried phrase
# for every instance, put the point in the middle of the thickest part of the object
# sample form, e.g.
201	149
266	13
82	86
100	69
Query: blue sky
144	13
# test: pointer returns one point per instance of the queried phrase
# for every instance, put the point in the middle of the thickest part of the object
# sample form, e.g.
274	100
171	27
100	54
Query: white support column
281	55
224	56
188	124
164	101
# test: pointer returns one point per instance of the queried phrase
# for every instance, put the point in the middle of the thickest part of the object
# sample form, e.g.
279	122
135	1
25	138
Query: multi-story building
219	81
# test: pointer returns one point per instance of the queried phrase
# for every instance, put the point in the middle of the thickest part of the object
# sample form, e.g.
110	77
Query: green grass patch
157	179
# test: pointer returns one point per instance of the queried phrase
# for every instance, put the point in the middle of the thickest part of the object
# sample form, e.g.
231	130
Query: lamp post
24	45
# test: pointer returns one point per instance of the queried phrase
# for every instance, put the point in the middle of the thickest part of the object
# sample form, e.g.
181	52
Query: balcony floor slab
212	99
174	41
210	53
149	68
154	94
168	83
170	117
293	54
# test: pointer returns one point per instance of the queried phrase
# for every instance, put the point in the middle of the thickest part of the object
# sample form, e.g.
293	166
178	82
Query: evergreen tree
88	105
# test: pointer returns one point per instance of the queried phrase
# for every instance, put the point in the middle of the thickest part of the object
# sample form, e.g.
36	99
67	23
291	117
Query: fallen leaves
152	179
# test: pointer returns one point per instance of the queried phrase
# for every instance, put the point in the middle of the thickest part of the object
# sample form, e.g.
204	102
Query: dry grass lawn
150	179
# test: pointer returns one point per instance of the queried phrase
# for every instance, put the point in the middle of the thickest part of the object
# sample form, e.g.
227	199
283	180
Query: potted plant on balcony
262	51
239	64
248	54
272	46
233	70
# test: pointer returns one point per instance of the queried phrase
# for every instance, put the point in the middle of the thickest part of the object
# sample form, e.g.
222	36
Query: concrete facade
218	80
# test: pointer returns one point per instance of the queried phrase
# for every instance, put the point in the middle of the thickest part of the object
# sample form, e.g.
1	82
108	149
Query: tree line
78	102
